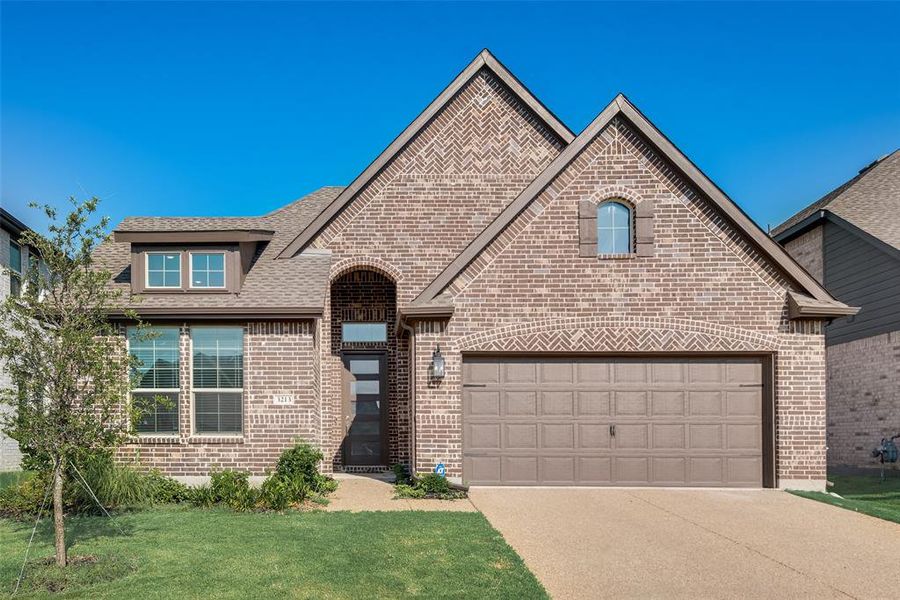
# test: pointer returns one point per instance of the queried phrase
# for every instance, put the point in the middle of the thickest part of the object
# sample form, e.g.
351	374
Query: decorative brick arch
354	263
618	334
618	192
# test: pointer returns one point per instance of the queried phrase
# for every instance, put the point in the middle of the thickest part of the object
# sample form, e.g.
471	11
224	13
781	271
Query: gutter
224	313
798	228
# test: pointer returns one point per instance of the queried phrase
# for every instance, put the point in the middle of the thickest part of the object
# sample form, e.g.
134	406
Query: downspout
412	392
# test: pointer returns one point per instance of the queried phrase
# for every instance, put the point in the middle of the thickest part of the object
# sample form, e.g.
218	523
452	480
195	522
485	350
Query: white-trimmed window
207	269
15	268
218	379
163	270
613	228
155	394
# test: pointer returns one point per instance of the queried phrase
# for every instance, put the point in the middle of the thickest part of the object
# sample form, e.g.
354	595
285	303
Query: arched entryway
367	371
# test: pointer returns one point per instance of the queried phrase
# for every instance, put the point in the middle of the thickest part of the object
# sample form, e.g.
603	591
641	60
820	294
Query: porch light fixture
437	364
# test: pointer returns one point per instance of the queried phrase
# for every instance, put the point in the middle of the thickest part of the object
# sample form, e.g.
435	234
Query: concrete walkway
359	493
652	543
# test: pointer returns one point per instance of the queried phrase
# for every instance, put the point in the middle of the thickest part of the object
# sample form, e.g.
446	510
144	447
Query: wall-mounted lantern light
437	364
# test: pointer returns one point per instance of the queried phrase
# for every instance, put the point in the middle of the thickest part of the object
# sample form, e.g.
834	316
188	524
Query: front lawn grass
191	553
865	494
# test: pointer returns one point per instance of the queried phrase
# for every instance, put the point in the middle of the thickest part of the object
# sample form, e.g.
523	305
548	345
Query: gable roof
271	288
620	106
870	201
484	60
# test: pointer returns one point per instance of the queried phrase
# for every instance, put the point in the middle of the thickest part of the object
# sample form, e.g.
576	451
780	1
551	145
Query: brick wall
427	204
705	288
863	397
807	250
279	359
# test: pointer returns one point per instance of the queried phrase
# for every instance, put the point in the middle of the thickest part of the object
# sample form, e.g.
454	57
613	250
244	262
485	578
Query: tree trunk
58	523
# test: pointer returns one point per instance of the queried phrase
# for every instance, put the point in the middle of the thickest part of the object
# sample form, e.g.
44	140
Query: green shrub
233	489
428	485
404	490
201	496
115	485
165	490
433	483
300	465
22	500
401	474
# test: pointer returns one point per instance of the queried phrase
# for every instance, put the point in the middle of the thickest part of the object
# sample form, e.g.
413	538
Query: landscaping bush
115	485
22	500
166	490
401	474
232	488
428	485
302	463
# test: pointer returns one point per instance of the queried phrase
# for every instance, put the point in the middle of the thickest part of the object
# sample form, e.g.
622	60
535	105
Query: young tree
66	360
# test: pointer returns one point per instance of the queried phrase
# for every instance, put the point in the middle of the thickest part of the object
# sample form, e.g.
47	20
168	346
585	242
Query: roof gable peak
484	59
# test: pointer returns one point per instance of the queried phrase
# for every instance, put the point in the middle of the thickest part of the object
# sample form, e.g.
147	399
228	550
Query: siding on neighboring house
860	273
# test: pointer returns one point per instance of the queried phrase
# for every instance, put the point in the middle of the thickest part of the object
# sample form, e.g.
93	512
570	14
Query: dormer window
208	270
613	228
163	270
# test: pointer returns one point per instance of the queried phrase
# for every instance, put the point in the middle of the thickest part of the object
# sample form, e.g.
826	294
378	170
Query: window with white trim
218	379
155	393
15	268
613	228
163	270
207	269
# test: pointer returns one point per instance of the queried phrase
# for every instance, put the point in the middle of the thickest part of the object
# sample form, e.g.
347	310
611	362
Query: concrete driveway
652	543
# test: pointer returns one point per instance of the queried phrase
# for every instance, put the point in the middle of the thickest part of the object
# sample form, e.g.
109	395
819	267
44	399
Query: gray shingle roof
299	282
871	201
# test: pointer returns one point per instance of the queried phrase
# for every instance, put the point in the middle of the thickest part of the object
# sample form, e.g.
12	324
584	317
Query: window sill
629	256
156	438
200	438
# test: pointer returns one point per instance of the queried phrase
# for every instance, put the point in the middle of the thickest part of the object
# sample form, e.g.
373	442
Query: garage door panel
483	436
630	403
521	436
706	403
558	436
668	471
666	402
745	403
743	437
520	470
558	403
591	403
557	469
482	403
521	404
593	436
668	436
677	421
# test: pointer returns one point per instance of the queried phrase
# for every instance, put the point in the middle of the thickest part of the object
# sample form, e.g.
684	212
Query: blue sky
236	109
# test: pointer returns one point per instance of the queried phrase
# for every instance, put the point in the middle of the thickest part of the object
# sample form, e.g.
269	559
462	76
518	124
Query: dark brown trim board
620	106
223	313
194	237
484	60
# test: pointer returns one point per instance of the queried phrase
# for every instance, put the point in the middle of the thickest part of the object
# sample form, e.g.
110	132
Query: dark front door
364	409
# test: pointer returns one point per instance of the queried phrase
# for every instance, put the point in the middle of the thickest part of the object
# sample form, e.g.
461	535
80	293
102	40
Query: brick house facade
850	241
474	239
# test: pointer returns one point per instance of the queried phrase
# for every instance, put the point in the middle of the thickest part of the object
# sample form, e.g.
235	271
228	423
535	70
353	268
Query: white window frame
230	434
629	227
207	287
147	271
176	391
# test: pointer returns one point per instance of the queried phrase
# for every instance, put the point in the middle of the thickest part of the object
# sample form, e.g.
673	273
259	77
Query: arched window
613	228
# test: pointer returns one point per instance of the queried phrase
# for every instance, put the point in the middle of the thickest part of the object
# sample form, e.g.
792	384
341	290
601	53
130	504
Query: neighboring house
850	241
13	259
493	294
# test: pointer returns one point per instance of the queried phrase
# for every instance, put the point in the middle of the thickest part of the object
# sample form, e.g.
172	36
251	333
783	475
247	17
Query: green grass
865	494
192	553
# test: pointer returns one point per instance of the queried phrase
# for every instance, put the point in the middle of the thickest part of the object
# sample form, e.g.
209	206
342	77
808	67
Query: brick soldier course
471	235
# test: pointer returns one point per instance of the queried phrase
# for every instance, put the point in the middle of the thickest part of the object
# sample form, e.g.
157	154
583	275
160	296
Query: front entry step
364	469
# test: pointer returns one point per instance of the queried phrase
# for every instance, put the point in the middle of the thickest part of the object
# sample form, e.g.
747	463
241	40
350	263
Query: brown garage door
612	421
